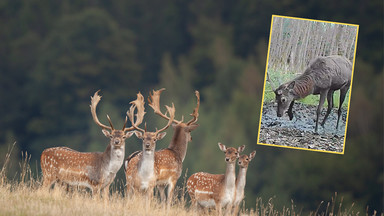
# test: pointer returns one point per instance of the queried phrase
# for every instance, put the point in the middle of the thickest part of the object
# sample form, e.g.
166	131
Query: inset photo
307	85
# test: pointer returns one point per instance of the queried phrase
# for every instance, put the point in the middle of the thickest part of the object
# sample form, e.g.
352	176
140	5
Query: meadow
23	195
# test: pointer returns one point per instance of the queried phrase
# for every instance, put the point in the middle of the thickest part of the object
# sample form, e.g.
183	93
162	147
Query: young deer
140	170
95	170
241	179
208	190
169	161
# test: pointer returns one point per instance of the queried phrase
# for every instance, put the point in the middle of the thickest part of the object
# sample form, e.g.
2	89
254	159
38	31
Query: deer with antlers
241	179
140	170
215	190
169	161
95	170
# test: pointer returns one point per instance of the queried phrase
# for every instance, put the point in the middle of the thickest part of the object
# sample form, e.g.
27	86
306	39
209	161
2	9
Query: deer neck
113	158
179	142
241	180
304	86
147	164
230	178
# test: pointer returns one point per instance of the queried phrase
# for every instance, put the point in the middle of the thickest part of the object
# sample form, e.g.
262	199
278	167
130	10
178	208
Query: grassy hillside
24	196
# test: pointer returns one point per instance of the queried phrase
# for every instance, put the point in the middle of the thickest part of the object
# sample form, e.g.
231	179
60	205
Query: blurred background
55	54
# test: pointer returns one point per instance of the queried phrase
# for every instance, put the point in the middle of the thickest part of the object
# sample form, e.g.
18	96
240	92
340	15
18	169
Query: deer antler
94	101
139	104
270	82
154	102
195	112
171	111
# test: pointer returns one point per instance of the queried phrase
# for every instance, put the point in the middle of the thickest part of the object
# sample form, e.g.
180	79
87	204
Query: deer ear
222	147
241	149
252	155
161	135
291	85
138	134
192	127
128	134
106	133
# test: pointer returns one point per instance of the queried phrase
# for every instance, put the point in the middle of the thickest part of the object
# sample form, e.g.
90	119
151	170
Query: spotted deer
140	170
324	76
169	161
216	190
241	179
95	170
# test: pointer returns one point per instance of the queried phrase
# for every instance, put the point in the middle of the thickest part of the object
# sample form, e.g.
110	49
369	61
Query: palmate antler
140	104
140	112
154	102
195	112
94	101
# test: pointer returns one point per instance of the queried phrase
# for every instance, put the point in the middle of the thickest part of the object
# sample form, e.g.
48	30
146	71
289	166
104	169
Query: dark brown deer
216	190
241	179
324	76
140	170
95	170
169	161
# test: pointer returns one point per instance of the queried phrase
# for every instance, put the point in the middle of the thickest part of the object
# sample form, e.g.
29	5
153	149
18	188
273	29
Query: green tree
84	52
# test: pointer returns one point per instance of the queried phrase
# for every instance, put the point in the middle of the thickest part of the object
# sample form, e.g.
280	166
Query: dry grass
24	196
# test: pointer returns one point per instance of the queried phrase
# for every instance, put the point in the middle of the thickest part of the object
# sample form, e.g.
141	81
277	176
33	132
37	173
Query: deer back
205	186
71	166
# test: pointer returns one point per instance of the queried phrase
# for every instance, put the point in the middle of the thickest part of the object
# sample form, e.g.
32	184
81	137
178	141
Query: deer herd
148	168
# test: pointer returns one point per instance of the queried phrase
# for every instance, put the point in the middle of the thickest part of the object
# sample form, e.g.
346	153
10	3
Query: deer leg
321	103
48	182
343	92
236	209
161	189
228	209
330	106
106	192
290	113
218	207
171	187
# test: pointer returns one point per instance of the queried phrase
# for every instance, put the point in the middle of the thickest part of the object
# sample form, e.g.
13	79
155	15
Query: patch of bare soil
300	131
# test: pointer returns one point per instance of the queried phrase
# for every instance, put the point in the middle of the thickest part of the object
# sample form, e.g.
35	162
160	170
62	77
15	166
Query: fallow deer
241	179
324	76
140	170
95	170
169	161
215	190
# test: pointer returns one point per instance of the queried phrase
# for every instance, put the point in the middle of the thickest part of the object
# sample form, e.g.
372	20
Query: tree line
295	42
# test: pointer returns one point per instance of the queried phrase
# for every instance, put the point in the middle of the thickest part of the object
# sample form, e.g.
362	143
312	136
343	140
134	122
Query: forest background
55	54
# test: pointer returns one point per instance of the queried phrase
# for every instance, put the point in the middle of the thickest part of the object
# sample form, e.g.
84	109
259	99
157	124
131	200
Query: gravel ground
300	131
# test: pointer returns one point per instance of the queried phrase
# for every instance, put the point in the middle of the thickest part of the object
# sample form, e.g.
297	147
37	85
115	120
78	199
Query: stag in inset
324	76
216	190
95	170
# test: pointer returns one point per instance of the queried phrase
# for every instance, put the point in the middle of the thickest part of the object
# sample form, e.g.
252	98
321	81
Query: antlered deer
241	179
95	170
140	170
169	161
209	190
324	76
